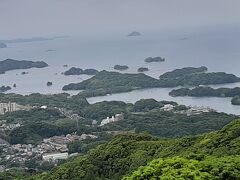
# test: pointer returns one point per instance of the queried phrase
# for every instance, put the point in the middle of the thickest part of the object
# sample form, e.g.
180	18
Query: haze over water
216	48
185	33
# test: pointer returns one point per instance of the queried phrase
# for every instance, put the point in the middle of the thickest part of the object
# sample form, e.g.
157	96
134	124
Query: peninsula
113	82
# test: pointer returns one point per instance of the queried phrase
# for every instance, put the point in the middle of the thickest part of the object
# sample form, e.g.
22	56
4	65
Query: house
54	156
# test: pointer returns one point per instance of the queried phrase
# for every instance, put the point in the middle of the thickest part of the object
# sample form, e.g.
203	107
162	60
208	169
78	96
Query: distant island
79	71
49	83
120	67
5	88
2	45
113	82
11	64
154	59
134	33
143	69
206	91
33	39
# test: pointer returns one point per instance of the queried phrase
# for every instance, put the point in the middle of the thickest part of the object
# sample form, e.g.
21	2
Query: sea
217	48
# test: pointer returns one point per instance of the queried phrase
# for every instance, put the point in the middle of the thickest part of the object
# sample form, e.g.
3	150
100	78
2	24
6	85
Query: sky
28	18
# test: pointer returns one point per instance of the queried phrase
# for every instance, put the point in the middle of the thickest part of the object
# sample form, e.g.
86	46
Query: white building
54	156
7	107
118	117
167	107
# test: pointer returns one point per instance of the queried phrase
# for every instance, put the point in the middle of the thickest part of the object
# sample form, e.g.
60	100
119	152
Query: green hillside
216	151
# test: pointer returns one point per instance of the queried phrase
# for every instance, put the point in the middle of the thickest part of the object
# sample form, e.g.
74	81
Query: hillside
126	153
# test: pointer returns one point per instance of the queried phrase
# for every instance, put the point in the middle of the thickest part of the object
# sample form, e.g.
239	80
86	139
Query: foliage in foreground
189	168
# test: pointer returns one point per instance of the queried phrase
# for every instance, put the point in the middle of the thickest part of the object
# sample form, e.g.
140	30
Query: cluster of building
53	148
117	117
10	107
190	110
4	126
7	107
195	110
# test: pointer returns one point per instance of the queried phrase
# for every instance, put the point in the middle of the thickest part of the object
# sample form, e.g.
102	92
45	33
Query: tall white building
7	107
118	117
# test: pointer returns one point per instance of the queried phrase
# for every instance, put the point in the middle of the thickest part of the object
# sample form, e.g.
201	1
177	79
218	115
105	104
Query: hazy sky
25	18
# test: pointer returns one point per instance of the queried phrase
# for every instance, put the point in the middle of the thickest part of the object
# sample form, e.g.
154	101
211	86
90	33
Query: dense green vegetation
63	100
215	153
114	82
190	168
184	71
236	100
154	59
206	91
197	79
170	124
10	64
106	82
120	67
144	115
79	71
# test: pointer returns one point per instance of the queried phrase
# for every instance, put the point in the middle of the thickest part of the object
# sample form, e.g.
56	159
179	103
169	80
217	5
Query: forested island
113	82
143	69
120	67
79	71
5	88
206	91
11	64
209	92
154	59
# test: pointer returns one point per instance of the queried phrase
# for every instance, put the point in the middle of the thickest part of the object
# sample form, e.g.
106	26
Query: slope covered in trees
215	153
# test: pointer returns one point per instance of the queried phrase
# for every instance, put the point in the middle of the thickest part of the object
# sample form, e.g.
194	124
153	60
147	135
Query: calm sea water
216	48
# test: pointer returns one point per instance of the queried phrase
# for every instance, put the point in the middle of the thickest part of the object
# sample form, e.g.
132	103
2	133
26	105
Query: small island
79	71
2	45
5	88
154	59
134	33
143	69
24	73
49	83
120	67
11	64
